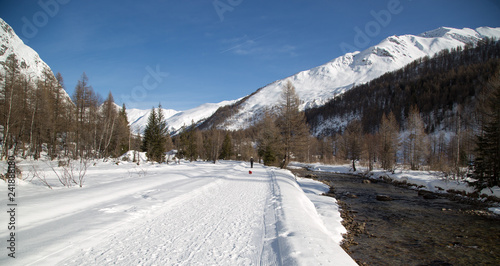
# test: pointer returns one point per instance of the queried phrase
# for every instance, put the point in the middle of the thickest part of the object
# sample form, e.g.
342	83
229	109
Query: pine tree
155	136
227	148
268	142
148	139
123	135
189	140
487	162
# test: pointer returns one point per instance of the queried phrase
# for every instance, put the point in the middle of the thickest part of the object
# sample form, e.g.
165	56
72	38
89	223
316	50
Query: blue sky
184	53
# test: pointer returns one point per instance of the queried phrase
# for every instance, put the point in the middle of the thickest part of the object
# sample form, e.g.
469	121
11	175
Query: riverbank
410	229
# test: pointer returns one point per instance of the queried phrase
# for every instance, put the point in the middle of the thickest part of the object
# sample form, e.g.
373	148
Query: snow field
188	214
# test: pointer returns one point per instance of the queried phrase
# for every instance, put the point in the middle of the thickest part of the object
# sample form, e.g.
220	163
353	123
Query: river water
409	229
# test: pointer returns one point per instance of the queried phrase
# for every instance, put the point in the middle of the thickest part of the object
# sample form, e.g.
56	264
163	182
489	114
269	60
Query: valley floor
188	214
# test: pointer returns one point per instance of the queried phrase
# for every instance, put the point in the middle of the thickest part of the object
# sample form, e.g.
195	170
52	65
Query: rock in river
384	198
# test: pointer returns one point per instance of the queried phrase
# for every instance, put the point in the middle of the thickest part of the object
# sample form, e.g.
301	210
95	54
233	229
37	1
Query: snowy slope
138	119
320	84
188	214
30	62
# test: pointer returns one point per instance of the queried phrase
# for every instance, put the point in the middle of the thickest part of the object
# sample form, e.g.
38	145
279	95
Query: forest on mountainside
443	88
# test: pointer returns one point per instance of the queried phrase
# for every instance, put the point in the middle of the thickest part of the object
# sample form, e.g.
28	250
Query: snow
177	214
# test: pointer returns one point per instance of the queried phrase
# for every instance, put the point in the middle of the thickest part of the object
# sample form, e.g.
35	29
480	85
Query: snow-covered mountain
31	64
138	118
320	84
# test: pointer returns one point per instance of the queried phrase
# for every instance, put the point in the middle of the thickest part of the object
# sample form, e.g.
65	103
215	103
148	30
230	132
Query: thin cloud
244	45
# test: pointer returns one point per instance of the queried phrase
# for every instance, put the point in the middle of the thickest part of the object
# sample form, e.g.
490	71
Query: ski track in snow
218	224
193	214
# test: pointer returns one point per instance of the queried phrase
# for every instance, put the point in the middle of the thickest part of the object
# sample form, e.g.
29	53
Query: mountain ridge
318	85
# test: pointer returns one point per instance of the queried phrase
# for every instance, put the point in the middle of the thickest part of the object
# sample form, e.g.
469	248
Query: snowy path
193	214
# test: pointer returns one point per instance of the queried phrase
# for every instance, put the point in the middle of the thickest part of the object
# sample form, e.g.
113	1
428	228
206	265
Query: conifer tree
269	147
148	139
155	136
189	140
123	134
227	148
487	162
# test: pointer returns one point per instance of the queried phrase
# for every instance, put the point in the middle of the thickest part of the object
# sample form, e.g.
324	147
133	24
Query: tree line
37	116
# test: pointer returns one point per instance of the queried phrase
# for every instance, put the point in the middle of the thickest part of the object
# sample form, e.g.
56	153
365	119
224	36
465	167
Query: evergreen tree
487	162
123	134
148	139
227	148
156	136
189	142
268	143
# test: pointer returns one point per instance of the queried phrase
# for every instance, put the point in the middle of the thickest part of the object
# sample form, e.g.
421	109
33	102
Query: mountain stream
392	225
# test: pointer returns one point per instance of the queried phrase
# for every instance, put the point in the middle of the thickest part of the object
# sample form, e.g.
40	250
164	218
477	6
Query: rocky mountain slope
31	65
